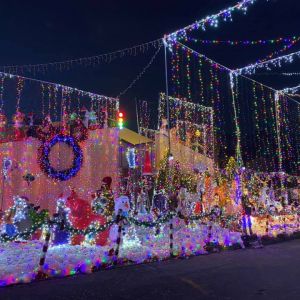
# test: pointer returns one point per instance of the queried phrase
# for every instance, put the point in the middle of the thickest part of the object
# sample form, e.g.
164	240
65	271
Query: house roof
132	137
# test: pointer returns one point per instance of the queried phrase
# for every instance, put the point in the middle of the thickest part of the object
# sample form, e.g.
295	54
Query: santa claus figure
61	219
81	217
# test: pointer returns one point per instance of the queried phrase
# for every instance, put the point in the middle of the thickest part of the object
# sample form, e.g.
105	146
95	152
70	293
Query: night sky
40	31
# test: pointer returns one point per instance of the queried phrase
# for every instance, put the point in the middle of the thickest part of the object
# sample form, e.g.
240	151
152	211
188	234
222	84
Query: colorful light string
244	42
262	111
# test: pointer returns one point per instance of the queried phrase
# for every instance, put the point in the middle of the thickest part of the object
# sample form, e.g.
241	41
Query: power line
140	75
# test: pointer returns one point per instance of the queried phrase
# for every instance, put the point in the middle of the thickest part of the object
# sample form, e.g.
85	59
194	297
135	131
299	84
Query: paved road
269	273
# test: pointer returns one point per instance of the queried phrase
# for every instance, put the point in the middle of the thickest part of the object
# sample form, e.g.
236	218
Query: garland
90	230
94	229
164	219
4	238
45	162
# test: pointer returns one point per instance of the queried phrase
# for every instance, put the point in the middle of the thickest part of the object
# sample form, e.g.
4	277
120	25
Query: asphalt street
272	272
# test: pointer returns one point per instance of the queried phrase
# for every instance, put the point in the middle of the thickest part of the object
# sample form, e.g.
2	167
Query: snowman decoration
21	218
60	235
122	206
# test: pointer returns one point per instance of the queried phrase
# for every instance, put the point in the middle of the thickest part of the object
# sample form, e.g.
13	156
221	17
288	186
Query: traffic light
121	120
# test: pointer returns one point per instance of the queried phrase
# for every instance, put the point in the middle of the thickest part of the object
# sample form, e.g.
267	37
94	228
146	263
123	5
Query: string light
20	85
43	99
212	21
290	74
22	79
131	158
290	90
67	65
262	111
188	74
2	78
187	118
269	64
244	42
233	79
279	52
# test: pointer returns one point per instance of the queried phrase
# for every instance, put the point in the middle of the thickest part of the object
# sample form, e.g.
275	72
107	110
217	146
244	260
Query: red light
120	115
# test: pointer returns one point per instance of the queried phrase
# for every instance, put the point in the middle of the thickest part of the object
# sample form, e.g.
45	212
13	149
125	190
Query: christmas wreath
45	164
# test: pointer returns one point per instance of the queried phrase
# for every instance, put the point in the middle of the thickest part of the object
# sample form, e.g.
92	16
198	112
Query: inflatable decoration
81	217
61	236
122	204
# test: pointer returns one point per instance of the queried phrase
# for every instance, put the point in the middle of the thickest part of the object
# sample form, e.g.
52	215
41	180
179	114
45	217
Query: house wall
100	159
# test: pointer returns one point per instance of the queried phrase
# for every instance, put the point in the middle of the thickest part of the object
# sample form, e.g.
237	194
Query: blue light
67	174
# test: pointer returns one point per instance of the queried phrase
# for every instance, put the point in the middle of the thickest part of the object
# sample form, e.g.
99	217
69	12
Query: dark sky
45	31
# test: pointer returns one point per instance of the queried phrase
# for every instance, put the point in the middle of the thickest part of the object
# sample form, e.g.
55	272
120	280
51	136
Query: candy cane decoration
209	234
171	239
267	225
41	274
284	224
119	220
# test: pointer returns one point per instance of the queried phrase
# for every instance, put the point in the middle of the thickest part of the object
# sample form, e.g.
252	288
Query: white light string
272	63
212	20
245	42
83	61
279	74
185	103
291	74
57	85
291	90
